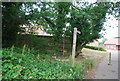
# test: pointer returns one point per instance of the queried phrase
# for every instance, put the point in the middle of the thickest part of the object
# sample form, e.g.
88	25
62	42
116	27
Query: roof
95	43
38	30
115	41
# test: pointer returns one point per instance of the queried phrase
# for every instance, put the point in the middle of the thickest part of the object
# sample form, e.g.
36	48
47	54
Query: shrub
95	48
26	66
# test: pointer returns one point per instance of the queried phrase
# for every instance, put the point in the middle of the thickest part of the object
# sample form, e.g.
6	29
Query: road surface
105	71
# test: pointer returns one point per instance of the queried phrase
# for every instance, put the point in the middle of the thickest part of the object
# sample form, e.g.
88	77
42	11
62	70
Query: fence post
63	45
74	46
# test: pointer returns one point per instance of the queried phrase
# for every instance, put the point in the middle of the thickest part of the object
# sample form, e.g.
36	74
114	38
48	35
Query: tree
89	21
55	16
10	22
88	18
15	14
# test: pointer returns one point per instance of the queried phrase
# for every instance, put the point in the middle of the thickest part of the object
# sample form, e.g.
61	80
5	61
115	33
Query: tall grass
70	60
12	48
88	63
83	65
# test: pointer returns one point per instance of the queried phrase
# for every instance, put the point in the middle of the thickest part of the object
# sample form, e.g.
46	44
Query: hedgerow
95	48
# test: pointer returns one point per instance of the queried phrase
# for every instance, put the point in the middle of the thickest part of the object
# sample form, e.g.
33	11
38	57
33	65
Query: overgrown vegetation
19	64
95	48
84	64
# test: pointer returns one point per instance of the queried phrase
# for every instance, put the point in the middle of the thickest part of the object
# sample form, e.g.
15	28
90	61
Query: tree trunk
79	50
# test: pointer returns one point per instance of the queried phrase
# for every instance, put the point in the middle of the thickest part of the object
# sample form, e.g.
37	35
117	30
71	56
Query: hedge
95	48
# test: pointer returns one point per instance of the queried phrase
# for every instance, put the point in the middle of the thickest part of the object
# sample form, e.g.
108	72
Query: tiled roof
115	41
95	43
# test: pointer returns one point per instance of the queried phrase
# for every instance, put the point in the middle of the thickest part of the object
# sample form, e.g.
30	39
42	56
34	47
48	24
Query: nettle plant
18	64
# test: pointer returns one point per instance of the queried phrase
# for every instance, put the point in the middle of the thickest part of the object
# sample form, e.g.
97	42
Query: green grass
90	51
94	54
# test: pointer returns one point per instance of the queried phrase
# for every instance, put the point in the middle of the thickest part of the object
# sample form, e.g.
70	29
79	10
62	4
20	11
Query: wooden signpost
74	45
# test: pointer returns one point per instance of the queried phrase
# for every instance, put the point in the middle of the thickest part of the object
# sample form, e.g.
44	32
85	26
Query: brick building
112	44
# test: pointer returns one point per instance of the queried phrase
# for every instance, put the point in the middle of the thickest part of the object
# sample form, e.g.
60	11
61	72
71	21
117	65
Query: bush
19	65
95	48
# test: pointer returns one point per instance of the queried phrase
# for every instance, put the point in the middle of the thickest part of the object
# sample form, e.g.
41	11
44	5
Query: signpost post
74	45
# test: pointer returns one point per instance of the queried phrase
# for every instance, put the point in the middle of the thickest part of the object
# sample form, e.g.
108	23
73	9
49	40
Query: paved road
105	71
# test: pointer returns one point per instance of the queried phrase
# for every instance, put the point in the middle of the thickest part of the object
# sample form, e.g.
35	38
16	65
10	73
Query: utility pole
74	45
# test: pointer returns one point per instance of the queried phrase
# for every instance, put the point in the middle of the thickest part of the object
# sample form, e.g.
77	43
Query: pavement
105	71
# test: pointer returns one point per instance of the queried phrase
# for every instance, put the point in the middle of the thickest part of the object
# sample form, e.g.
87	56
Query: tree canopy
87	18
15	14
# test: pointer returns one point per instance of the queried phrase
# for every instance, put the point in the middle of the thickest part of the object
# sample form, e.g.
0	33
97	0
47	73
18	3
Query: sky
112	31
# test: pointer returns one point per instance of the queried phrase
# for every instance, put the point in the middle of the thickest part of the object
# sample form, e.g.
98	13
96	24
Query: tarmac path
105	71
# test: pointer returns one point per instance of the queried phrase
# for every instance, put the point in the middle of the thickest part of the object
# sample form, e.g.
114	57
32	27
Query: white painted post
109	63
74	46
